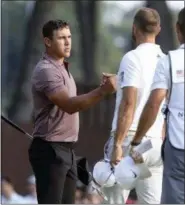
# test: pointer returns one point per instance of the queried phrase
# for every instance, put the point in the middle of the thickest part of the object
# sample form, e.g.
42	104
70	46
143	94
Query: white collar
148	44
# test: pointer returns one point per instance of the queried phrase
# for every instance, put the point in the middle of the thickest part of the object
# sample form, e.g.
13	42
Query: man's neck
145	40
55	57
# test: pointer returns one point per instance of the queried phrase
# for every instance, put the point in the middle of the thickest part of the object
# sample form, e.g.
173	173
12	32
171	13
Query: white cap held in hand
127	173
103	174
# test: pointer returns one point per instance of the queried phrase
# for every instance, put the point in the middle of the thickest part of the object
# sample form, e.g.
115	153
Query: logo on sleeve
181	114
180	73
122	76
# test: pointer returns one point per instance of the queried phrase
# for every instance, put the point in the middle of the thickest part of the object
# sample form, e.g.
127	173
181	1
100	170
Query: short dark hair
147	20
52	25
181	21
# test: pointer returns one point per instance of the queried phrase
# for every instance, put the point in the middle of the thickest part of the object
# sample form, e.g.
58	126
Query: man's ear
134	28
177	28
47	42
158	30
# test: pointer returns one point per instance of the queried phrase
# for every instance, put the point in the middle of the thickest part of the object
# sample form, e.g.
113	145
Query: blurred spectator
132	199
9	195
86	195
32	194
93	196
78	196
80	189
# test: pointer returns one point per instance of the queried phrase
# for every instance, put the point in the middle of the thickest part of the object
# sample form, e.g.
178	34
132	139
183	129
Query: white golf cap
103	174
127	173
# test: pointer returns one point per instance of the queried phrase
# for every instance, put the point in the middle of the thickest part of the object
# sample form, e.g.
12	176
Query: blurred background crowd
101	35
84	195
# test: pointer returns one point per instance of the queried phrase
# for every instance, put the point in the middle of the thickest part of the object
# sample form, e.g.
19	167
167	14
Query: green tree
21	103
87	13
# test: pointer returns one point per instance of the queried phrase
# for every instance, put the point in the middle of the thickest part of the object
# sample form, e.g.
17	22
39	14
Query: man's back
137	69
173	81
176	104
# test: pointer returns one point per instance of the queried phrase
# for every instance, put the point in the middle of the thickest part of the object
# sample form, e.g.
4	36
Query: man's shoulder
43	66
163	59
161	54
176	52
130	56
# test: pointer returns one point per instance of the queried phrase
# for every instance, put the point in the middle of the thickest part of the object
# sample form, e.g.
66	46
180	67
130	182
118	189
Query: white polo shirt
137	69
176	104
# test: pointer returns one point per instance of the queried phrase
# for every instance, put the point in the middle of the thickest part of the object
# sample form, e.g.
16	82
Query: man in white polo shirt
135	76
169	81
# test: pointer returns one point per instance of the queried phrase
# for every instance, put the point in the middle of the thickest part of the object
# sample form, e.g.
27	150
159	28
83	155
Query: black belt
70	145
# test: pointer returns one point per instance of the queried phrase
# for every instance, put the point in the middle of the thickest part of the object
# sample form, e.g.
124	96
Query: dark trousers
55	170
173	175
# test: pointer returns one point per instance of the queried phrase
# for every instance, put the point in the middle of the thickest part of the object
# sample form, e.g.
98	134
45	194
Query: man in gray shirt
56	119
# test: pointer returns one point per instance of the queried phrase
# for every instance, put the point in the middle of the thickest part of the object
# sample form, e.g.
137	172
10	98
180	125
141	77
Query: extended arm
48	81
77	103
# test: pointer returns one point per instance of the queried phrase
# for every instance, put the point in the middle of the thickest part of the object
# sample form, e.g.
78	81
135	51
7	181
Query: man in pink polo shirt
55	117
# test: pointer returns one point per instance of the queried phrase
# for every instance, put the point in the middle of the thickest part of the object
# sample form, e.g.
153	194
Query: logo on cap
135	175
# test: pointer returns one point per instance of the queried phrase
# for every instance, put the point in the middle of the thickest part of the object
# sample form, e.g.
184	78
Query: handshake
108	83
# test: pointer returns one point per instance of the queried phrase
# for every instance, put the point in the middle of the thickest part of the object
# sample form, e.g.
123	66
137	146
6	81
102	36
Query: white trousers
148	190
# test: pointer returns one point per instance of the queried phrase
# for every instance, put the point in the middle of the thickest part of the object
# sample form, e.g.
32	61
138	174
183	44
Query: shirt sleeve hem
130	85
159	86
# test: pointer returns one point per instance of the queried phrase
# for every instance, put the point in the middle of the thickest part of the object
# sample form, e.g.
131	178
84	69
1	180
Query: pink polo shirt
50	121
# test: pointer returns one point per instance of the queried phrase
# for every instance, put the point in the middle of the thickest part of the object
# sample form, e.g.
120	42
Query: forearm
147	119
164	130
85	101
125	118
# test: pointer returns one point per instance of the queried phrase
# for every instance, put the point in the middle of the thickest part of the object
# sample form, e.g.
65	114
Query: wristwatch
135	143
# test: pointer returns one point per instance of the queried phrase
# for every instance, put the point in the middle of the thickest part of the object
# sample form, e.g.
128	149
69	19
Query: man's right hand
137	157
109	83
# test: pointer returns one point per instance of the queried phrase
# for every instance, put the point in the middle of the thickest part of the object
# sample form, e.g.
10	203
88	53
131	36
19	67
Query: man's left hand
117	154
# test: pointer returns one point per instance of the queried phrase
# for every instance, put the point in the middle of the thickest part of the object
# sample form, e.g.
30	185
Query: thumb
108	74
105	74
